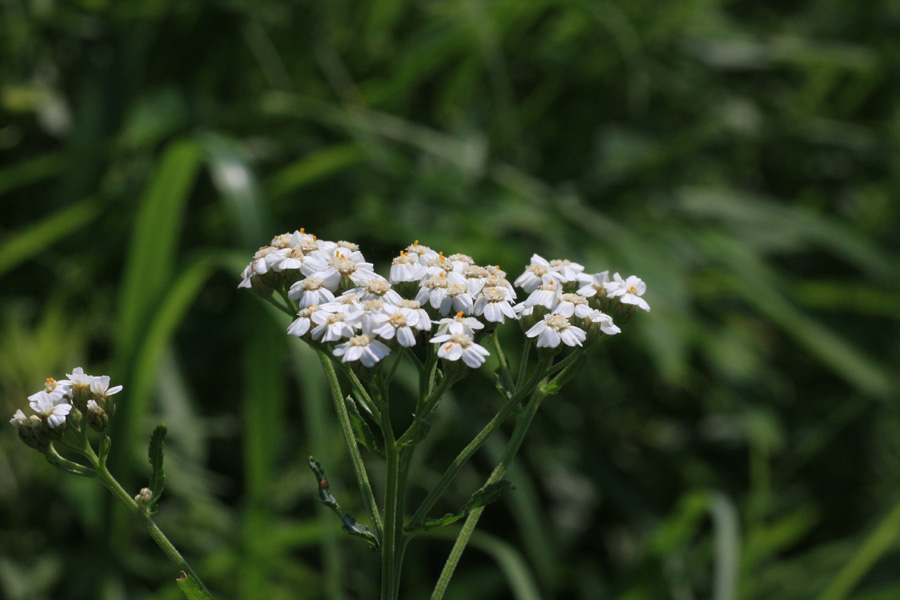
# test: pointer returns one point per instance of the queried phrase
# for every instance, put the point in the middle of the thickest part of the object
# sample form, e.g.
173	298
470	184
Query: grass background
742	440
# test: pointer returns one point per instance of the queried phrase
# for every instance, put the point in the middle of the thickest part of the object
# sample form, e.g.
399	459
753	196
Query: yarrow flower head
343	306
65	401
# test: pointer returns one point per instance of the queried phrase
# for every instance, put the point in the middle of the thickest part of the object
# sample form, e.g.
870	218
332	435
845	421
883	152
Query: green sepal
157	474
361	430
191	589
482	497
348	523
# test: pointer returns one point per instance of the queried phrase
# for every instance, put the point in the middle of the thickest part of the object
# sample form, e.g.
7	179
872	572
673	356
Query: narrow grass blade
17	248
154	241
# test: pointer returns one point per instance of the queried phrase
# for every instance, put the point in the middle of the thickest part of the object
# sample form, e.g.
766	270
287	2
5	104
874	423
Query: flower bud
98	418
144	498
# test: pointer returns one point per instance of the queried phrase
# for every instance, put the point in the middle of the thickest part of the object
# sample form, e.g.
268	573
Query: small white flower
365	318
456	346
460	262
457	299
331	327
433	290
494	305
50	407
501	282
594	285
78	377
547	294
555	329
292	240
56	395
496	271
605	322
311	291
363	349
475	278
394	321
629	291
100	387
411	307
291	260
303	322
572	304
406	267
439	264
566	270
459	324
377	288
19	420
533	275
424	253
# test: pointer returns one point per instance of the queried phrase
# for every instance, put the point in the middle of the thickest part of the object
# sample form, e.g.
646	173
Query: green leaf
157	475
482	497
361	429
191	589
348	523
325	495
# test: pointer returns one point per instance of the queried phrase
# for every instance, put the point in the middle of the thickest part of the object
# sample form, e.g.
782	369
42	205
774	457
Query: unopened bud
143	498
97	417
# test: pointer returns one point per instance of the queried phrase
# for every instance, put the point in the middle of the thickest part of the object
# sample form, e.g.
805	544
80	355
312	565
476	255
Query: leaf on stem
157	475
501	384
566	375
361	430
482	497
191	589
348	523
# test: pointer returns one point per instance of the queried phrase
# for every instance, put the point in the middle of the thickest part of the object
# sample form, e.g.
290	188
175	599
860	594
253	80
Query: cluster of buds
359	315
76	399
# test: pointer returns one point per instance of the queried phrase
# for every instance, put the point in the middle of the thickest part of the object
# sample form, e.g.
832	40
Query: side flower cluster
74	399
361	316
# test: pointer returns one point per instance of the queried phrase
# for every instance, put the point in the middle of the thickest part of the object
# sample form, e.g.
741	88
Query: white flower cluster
344	302
53	404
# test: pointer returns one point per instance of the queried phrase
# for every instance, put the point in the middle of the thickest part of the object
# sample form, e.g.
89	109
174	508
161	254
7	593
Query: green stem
102	473
523	423
450	474
872	549
425	409
504	364
281	307
155	532
392	519
359	468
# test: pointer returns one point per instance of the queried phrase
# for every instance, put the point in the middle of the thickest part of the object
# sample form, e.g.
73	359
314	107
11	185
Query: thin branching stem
359	468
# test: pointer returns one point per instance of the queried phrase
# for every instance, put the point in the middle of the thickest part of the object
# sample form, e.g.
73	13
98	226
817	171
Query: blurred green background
742	440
